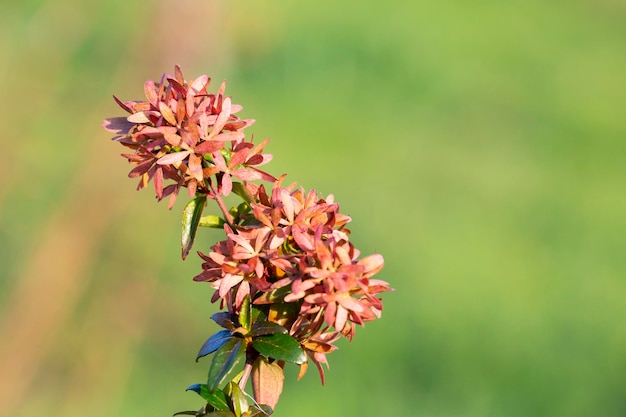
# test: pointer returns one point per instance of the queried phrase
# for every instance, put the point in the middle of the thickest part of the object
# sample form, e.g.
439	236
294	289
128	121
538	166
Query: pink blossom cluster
296	250
184	134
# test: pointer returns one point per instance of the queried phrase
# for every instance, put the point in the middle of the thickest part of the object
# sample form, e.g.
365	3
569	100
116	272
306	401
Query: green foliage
227	361
280	346
192	215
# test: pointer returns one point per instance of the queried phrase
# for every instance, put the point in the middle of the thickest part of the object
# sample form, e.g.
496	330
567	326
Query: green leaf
244	313
225	361
186	413
259	313
243	208
220	414
263	410
240	403
284	313
241	191
211	220
216	399
273	296
191	220
261	328
214	342
280	346
225	320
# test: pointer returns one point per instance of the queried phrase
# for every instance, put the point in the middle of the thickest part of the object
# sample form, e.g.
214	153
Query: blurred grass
479	147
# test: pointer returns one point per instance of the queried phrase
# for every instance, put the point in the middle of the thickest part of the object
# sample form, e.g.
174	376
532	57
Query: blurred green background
479	146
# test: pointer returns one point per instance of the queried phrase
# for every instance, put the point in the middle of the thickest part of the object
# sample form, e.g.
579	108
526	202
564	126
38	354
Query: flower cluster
287	273
184	134
295	250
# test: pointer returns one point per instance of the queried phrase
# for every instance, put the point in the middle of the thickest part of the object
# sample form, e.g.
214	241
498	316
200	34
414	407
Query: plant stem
246	374
222	206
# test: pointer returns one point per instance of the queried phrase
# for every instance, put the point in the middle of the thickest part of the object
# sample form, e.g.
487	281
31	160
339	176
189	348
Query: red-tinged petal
167	114
235	108
192	186
236	125
180	110
190	104
228	282
226	136
264	175
242	292
246	174
140	117
195	166
158	182
287	203
123	105
330	313
173	139
139	106
260	215
141	169
221	119
241	241
372	263
150	90
179	88
259	148
342	255
178	73
118	125
219	162
238	157
222	88
303	239
173	196
199	85
258	160
350	303
227	185
172	158
210	171
341	317
208	147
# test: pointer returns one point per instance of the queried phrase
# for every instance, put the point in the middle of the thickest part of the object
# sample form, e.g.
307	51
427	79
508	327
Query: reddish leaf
140	117
158	182
199	85
267	381
238	158
150	90
227	136
172	158
208	147
122	104
195	166
179	74
141	169
167	114
180	110
221	119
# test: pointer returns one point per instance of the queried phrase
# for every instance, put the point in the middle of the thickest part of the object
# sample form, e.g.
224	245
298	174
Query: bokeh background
479	146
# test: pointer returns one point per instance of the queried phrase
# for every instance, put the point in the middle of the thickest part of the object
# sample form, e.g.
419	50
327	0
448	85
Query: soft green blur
479	146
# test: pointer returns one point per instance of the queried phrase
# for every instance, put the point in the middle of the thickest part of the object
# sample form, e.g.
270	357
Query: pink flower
184	134
295	249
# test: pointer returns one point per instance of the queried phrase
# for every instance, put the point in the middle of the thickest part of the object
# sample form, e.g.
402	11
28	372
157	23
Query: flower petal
172	158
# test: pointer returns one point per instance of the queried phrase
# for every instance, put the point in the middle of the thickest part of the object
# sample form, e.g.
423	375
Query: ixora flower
185	134
287	274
